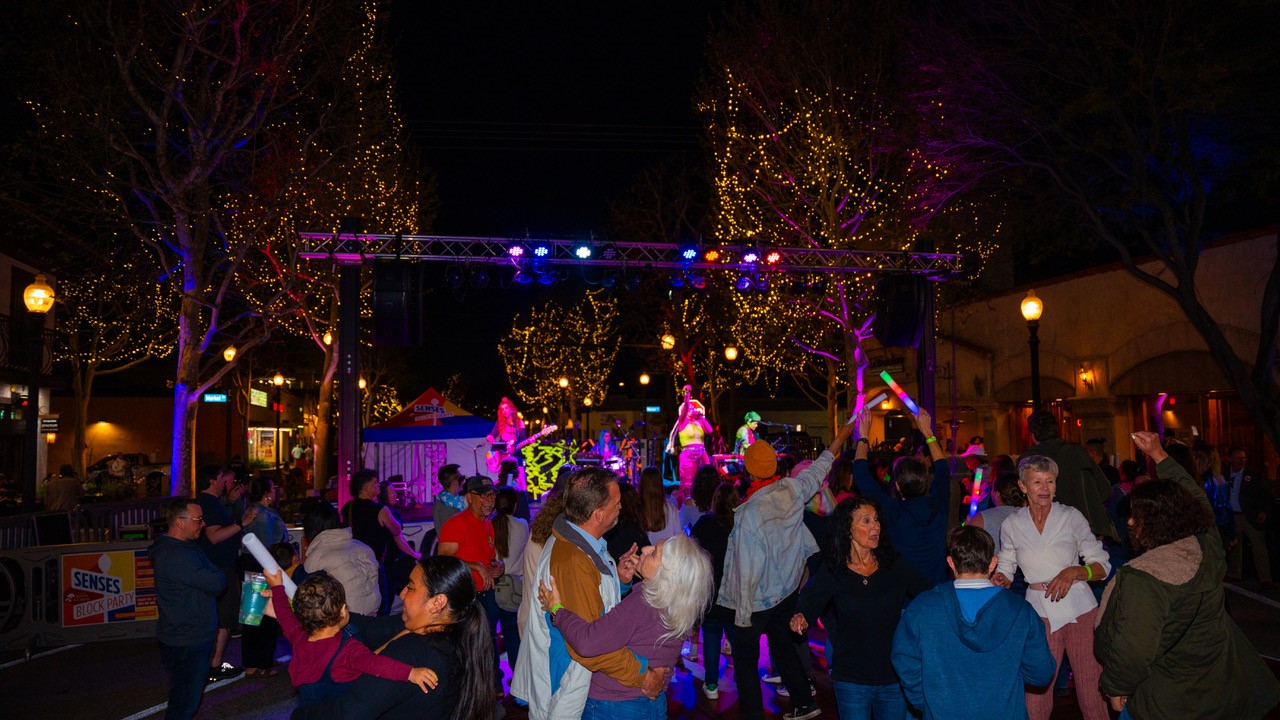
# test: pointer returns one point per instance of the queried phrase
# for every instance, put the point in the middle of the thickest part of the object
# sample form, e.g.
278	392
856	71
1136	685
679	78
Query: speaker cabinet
397	304
900	306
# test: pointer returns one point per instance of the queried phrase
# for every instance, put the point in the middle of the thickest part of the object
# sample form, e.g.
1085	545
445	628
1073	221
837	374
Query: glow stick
268	563
884	395
902	394
870	404
973	492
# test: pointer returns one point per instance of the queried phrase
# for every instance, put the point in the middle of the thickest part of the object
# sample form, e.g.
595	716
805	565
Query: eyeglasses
188	517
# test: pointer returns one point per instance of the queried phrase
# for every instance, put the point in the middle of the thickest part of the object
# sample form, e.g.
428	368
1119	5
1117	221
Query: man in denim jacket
763	569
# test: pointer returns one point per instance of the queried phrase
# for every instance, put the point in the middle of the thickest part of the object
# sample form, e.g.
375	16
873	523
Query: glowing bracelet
1088	571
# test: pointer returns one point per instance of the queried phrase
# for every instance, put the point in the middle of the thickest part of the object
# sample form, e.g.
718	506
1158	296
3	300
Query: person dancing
692	430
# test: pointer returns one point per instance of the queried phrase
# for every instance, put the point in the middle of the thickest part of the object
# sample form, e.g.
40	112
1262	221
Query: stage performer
692	430
746	433
506	434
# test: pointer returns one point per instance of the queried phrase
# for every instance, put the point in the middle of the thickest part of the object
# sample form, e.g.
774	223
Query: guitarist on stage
505	436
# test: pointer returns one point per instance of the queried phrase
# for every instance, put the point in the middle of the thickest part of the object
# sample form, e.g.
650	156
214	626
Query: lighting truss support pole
927	356
348	378
31	414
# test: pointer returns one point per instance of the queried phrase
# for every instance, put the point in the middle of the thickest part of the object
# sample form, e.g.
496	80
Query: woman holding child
441	629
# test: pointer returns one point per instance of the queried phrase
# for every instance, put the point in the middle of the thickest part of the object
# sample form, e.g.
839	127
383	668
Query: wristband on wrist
556	607
861	440
932	439
1088	571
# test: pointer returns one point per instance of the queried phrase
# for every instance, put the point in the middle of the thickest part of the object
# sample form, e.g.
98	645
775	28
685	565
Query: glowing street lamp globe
1032	307
38	296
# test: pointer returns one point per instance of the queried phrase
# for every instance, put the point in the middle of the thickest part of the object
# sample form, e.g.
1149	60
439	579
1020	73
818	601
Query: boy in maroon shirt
326	659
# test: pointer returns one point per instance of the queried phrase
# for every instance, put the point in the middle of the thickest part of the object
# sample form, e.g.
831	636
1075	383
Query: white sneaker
773	679
783	691
711	691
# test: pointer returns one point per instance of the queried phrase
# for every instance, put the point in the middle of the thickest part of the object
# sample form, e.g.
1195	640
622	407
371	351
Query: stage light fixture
453	277
609	280
547	278
712	255
633	282
541	250
583	250
698	282
677	281
609	251
773	258
743	283
750	255
522	278
480	278
516	251
688	251
762	283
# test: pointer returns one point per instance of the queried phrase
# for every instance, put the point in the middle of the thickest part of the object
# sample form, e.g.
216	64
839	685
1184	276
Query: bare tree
1148	126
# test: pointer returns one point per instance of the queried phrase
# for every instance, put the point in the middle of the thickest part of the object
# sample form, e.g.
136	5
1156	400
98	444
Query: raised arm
924	421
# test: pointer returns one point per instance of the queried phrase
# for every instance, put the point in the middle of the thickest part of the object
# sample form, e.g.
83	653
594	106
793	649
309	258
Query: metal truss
524	252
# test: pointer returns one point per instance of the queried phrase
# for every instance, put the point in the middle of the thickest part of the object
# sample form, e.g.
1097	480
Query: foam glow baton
977	488
902	394
870	404
268	563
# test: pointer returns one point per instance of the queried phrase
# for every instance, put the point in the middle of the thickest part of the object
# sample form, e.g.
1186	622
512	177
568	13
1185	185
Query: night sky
535	119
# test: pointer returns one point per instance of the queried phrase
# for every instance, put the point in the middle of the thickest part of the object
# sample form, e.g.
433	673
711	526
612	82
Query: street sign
653	408
215	397
49	424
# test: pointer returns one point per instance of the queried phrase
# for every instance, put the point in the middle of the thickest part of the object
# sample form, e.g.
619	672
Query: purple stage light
515	251
750	256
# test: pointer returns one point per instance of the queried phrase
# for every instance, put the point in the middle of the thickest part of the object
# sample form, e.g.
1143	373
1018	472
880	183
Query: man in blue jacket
187	586
965	649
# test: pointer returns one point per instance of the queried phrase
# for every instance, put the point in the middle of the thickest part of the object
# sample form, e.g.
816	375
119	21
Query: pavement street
123	680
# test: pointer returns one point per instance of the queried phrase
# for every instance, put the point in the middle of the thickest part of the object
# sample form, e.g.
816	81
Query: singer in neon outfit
692	430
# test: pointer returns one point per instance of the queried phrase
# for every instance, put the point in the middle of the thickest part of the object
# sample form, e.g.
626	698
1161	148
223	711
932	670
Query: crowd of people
929	607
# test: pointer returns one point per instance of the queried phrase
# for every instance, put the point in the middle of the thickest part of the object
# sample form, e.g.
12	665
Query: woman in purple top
652	621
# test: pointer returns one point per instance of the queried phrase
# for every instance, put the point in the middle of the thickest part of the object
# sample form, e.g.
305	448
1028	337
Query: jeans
640	708
855	701
774	624
258	644
188	668
510	636
713	630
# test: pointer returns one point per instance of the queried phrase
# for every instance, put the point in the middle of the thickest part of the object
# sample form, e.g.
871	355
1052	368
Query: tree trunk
324	421
186	389
82	387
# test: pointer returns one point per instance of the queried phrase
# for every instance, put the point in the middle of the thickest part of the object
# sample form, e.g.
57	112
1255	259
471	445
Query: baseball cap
479	484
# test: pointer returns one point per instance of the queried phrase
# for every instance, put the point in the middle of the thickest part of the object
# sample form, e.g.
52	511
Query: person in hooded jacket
965	649
917	523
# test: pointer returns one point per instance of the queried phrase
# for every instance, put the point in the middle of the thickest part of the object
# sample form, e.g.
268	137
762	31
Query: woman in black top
868	590
712	533
443	628
626	533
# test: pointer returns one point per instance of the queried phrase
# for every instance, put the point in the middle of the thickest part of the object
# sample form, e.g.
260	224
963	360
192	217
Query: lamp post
1032	307
38	297
278	381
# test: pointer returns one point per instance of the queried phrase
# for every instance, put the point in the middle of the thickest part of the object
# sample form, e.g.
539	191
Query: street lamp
668	341
229	354
731	353
1032	308
644	378
564	382
278	381
38	297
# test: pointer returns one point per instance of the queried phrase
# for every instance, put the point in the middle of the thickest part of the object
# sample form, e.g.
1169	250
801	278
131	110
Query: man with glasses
187	585
1250	501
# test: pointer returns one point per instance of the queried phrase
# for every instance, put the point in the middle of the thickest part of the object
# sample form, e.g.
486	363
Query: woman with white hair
1049	540
652	621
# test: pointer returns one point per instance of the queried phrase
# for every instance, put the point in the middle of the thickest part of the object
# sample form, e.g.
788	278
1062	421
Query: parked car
123	475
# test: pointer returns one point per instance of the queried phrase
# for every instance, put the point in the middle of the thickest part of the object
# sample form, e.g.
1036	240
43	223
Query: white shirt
670	529
1065	540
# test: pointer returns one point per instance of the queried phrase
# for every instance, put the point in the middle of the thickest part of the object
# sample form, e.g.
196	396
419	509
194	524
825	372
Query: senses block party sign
107	587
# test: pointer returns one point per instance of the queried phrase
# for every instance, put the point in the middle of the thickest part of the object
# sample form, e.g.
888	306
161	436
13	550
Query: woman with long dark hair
1165	641
712	533
867	586
510	534
658	517
442	628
